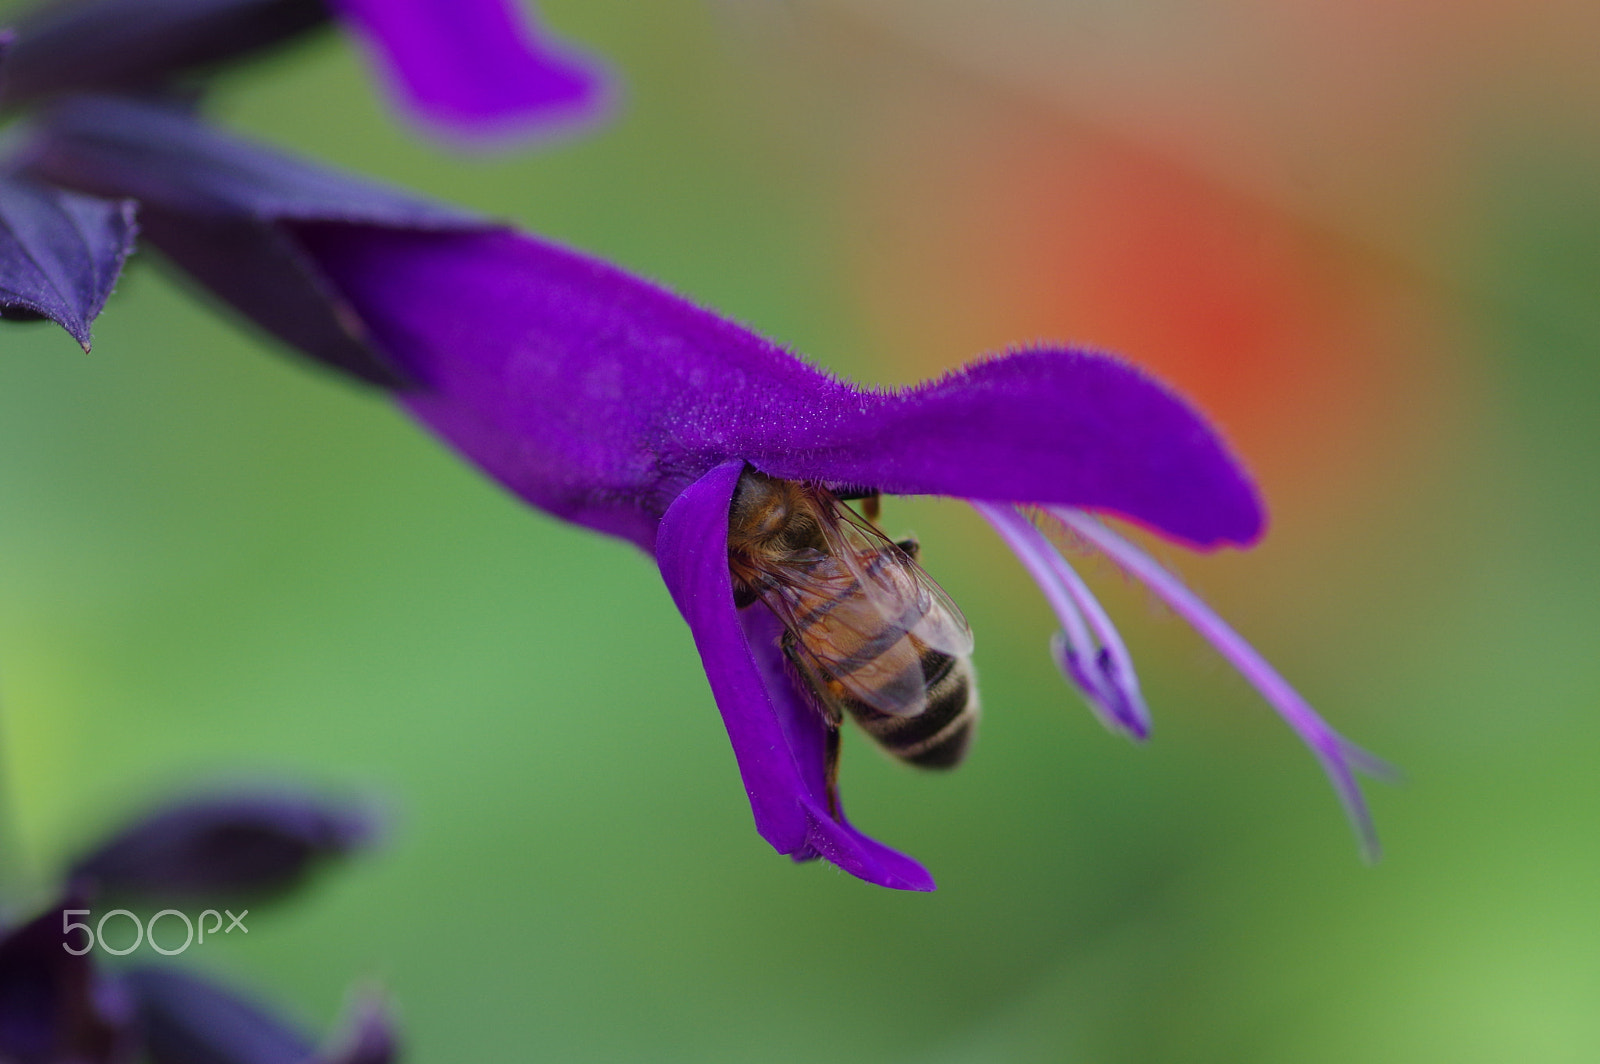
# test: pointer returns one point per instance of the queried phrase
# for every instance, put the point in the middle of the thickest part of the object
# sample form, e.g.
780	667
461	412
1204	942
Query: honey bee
866	630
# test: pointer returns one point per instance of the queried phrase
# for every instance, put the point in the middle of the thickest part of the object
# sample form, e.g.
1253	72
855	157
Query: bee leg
910	546
831	718
871	506
831	754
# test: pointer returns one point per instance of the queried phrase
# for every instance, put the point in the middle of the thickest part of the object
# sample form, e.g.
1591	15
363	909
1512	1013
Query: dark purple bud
54	1006
222	209
186	1020
249	847
140	45
60	253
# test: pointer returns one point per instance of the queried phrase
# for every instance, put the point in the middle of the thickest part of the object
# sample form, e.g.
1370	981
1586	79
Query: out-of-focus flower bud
245	846
187	1020
54	1006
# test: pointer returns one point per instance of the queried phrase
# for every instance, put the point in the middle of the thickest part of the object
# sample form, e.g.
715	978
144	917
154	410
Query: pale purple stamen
1087	649
1339	757
1112	660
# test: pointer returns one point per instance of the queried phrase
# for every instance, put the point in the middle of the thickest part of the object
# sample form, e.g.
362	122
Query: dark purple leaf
54	1007
139	45
60	253
220	207
252	847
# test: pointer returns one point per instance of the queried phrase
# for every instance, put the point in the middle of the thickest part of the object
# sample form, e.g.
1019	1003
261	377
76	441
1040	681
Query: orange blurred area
1004	224
1360	115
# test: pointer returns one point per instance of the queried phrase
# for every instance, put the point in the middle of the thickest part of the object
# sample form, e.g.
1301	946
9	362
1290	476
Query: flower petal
593	395
805	732
581	387
831	837
840	844
1043	426
692	550
60	253
598	396
777	737
474	66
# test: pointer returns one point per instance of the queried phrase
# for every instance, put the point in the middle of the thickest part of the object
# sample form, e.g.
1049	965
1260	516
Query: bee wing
942	626
852	646
862	615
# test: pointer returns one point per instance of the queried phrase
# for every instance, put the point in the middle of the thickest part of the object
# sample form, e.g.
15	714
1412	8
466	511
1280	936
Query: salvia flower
469	68
611	403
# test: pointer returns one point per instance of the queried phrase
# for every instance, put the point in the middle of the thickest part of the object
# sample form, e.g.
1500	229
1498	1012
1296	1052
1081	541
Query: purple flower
475	67
614	404
472	68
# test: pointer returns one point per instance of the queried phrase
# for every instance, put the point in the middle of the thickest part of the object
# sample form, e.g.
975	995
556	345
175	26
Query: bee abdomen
939	736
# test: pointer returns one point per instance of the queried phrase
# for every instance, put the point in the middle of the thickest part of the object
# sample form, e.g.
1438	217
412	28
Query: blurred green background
1365	237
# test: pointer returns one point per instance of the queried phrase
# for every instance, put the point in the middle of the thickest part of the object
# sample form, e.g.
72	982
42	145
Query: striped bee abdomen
939	736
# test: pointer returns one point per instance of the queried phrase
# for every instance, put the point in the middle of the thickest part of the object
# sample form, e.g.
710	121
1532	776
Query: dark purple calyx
224	210
142	45
60	253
